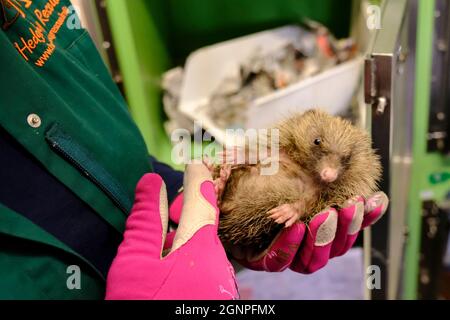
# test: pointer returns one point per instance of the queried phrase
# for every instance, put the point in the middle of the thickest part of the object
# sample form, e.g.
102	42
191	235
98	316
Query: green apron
58	100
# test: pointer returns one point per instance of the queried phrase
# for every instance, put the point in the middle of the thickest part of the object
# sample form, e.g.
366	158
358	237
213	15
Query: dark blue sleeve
172	178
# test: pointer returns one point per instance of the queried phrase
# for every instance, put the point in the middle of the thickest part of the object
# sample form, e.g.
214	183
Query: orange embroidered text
27	46
44	15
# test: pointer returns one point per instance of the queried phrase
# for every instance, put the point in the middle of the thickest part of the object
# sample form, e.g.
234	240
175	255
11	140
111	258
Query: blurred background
246	63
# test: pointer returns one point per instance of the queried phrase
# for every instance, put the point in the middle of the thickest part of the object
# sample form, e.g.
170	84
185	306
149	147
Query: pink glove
306	249
195	268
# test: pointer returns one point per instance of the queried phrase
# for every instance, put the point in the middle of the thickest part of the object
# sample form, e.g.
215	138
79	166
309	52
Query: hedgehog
324	161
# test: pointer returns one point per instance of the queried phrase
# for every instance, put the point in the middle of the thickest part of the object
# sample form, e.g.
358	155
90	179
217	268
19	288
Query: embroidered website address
37	33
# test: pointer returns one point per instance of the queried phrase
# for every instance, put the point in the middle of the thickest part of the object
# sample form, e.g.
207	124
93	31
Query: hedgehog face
331	151
321	144
338	154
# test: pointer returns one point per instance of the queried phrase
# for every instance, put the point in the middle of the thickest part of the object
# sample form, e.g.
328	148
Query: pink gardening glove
195	268
306	249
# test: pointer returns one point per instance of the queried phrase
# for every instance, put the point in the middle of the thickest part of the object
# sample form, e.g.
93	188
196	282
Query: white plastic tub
331	90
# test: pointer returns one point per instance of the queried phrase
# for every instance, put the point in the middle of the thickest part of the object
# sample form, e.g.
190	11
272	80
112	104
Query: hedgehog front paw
222	179
286	213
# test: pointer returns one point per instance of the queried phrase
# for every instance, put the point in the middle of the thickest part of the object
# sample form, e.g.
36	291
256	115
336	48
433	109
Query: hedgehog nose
329	175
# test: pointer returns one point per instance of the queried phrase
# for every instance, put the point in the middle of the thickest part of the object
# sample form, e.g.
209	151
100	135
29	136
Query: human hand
196	266
308	248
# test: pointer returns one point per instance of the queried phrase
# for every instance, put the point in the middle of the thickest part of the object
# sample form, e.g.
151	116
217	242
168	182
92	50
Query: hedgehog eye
346	159
317	141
